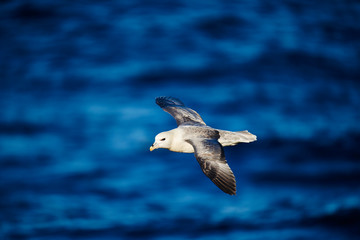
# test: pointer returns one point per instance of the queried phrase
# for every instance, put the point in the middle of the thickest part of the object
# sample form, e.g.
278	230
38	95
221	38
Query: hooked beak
152	147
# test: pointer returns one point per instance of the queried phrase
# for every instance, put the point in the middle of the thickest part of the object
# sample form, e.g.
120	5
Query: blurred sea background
78	80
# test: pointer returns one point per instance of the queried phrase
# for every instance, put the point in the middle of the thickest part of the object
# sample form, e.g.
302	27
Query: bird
192	135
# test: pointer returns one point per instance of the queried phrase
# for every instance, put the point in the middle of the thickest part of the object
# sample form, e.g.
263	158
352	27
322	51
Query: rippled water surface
77	89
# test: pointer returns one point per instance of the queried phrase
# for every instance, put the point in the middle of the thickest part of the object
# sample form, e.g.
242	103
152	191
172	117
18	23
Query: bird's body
193	136
226	138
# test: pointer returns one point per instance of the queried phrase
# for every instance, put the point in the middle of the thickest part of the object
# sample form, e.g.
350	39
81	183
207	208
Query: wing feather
182	114
210	155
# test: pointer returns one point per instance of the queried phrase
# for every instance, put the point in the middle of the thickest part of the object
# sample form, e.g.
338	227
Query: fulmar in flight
193	136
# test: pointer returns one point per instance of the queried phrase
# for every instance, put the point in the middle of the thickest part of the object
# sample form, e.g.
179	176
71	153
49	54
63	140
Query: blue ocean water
77	89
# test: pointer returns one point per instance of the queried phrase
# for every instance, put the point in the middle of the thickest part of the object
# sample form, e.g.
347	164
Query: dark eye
163	139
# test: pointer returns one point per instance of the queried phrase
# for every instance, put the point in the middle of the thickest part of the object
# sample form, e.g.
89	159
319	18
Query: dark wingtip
166	101
226	183
227	186
230	190
232	193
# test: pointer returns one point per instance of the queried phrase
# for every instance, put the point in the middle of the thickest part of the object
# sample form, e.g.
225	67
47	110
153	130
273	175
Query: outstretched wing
210	155
183	115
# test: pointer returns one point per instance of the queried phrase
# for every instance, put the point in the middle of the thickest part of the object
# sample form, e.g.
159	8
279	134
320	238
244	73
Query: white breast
179	144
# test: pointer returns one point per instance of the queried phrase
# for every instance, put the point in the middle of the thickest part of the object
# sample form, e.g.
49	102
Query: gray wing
210	155
183	115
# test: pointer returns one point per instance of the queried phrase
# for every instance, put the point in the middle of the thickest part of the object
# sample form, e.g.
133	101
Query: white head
162	140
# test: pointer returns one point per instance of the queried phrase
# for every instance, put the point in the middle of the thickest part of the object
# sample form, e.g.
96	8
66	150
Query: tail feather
246	136
228	138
